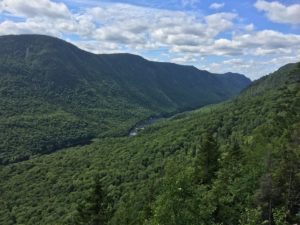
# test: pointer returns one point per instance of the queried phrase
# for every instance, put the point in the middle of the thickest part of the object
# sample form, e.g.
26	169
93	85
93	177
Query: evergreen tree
96	211
206	162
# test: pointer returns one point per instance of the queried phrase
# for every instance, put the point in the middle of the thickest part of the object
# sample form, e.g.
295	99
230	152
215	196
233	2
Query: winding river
143	124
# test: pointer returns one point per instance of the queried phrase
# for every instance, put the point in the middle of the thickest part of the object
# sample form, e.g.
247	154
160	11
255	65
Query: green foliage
206	160
251	217
96	209
54	95
280	216
231	163
176	204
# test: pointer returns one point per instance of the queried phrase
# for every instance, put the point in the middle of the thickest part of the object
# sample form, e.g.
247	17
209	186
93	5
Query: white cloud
97	46
184	59
219	22
258	43
237	62
249	27
133	27
156	27
216	5
35	8
269	40
121	27
279	13
31	26
189	2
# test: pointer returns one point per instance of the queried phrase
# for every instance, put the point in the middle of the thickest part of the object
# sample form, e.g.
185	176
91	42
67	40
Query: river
141	126
176	115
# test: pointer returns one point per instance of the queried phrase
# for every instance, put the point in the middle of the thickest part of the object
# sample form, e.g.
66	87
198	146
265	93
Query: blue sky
253	37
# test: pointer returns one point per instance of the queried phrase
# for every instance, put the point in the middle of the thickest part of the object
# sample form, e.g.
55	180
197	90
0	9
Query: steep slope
231	163
54	95
284	75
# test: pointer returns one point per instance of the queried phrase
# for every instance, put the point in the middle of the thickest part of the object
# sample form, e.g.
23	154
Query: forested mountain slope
232	163
54	95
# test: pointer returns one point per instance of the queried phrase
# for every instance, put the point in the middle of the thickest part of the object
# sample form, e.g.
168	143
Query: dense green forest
231	163
54	95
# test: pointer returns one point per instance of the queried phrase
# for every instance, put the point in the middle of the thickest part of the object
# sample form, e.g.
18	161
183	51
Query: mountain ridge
74	96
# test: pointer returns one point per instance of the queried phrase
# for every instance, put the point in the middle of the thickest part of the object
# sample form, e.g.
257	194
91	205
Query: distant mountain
54	95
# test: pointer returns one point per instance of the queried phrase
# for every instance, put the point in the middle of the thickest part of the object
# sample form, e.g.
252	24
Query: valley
57	95
141	174
226	150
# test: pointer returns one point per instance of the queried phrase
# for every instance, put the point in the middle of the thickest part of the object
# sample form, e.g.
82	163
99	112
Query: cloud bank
280	13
